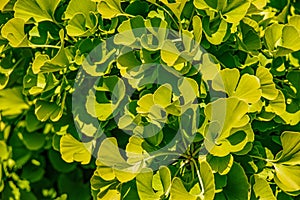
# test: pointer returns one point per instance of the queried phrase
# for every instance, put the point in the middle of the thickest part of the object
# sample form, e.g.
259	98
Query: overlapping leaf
36	9
245	87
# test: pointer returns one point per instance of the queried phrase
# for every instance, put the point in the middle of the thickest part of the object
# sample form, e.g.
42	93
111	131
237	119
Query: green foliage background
255	44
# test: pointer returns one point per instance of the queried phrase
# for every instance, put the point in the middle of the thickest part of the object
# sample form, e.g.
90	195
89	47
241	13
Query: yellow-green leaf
110	8
39	10
12	101
73	150
13	31
268	87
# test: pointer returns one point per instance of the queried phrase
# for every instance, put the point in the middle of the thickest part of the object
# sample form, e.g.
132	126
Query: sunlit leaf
229	113
246	88
79	6
109	9
262	189
12	101
235	10
43	63
176	7
39	10
13	31
286	164
217	37
153	186
111	164
268	88
73	150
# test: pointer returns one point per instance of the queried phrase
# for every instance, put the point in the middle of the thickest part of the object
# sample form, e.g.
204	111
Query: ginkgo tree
149	99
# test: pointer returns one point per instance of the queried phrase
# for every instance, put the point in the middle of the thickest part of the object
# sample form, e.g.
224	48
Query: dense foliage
154	99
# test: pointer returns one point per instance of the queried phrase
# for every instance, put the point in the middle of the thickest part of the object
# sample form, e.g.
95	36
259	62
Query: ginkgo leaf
80	25
273	35
286	163
175	7
221	144
226	81
111	195
162	96
39	10
109	9
189	90
287	178
12	101
277	105
289	42
145	103
178	190
237	186
169	53
235	10
222	165
217	37
135	151
153	186
204	4
111	164
13	31
229	113
73	150
105	108
79	6
210	67
42	62
208	180
197	25
158	33
154	105
130	30
3	4
48	110
184	49
98	62
246	88
262	189
4	152
101	110
268	87
290	146
232	11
